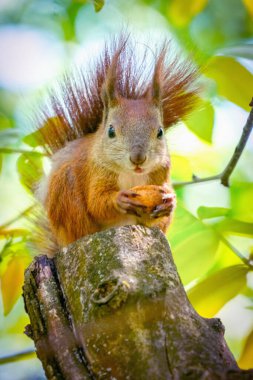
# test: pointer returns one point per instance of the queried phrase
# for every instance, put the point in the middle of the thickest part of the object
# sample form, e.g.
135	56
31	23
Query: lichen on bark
125	311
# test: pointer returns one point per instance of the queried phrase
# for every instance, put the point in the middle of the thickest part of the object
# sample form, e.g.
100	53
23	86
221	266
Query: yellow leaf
201	121
14	232
246	358
249	6
181	167
181	12
234	82
212	293
12	281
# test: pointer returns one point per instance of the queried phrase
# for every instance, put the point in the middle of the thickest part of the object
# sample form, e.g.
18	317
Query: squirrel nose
137	158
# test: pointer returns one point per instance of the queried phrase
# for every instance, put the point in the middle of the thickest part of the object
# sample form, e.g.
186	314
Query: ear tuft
156	89
156	85
109	93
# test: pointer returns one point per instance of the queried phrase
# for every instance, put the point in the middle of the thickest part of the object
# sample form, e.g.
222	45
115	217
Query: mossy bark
112	306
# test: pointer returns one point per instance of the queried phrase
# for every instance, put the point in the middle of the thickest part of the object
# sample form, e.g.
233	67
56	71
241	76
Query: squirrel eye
111	132
160	133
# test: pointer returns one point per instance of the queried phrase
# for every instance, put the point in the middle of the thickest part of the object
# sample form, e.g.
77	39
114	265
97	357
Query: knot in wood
28	331
217	325
108	289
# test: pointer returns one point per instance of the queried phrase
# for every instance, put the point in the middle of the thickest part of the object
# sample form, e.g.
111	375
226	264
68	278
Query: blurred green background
212	234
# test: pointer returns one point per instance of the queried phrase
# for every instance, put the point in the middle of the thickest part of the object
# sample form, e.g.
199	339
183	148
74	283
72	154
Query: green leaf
234	81
241	201
1	162
30	169
98	5
201	121
5	123
212	212
33	139
8	137
226	257
236	227
194	244
212	293
11	248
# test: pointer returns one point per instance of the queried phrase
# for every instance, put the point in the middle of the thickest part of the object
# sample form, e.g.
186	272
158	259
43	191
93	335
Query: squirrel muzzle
138	155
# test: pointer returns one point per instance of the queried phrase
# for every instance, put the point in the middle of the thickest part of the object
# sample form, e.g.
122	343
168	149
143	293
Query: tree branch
23	355
17	150
239	148
19	216
226	173
112	303
51	332
195	180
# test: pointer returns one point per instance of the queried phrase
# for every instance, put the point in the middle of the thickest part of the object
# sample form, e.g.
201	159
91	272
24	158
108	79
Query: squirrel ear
156	89
155	92
108	92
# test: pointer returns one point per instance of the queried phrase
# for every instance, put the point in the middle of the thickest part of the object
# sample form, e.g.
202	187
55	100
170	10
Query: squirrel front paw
160	199
147	201
127	202
166	208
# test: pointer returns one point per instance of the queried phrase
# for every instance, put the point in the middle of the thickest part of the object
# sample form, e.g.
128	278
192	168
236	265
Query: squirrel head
132	129
121	90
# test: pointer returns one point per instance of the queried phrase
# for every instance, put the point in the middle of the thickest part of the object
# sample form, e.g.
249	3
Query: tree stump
112	306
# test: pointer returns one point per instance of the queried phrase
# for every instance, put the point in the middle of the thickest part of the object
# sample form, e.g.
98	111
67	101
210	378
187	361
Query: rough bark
112	306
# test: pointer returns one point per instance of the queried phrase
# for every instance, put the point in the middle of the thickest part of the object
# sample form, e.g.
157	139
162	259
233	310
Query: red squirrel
110	162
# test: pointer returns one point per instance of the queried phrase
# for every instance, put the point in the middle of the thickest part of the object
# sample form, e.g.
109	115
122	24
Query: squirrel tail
75	108
42	239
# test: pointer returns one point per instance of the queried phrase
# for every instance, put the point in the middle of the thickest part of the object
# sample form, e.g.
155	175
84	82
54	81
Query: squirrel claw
164	209
129	194
134	211
128	205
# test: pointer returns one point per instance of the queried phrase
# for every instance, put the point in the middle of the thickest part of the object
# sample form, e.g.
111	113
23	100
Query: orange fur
84	191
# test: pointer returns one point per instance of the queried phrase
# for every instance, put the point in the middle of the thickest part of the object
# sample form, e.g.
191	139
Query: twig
28	354
15	150
19	216
239	148
226	173
196	179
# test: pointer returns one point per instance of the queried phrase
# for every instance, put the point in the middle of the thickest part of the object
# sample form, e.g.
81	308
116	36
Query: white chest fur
126	181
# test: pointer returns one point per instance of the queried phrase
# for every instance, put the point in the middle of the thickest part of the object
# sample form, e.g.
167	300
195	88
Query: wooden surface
112	306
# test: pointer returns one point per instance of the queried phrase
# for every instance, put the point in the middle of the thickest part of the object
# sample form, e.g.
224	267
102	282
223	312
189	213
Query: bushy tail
75	108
